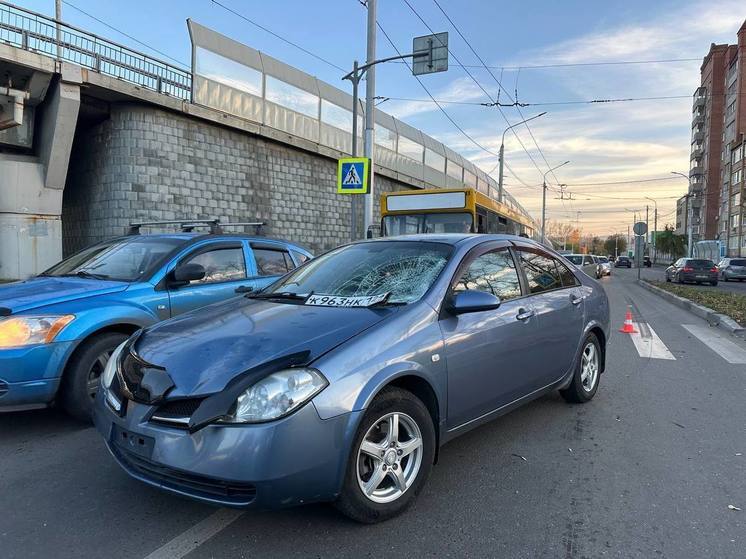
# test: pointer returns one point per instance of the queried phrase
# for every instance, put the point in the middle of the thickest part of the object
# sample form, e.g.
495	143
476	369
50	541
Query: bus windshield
409	224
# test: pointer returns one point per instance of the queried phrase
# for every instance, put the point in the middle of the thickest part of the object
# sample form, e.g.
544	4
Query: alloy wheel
389	457
95	372
589	367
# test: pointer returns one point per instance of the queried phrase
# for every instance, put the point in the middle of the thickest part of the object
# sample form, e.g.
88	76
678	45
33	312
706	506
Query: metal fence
41	34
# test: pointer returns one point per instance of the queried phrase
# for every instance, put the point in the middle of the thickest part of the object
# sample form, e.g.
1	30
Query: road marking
648	344
725	348
192	538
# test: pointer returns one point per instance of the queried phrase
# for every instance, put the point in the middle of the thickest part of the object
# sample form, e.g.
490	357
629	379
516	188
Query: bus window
409	224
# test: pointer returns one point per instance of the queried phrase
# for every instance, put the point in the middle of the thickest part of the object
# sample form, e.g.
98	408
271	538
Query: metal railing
44	35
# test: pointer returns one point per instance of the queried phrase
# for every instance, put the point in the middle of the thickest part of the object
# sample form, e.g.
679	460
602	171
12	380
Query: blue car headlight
277	395
107	377
18	331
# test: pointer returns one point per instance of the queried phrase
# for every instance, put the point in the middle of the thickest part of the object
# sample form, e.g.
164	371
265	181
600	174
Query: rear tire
587	374
714	283
83	371
385	497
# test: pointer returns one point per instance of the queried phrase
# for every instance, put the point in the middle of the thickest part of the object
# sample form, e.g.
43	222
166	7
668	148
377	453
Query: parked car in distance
646	261
732	269
57	330
340	381
585	262
693	270
604	265
622	262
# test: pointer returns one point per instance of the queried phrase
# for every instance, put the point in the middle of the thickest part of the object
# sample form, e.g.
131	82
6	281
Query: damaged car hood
204	350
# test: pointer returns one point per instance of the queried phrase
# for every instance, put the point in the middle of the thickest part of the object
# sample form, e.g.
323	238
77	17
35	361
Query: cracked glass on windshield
405	270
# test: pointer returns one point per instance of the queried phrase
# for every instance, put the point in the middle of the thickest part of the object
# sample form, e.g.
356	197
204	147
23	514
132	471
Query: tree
615	245
669	243
559	233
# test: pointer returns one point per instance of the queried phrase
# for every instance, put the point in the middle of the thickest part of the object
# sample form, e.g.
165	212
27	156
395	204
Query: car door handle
524	314
576	300
244	289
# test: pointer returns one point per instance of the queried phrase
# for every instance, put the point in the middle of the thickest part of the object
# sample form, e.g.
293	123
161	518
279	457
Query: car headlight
277	395
107	377
17	331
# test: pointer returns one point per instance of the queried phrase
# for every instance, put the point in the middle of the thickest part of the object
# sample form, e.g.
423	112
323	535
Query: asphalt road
647	469
659	273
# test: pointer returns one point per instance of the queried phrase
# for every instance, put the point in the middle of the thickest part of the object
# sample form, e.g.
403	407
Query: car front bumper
294	460
31	375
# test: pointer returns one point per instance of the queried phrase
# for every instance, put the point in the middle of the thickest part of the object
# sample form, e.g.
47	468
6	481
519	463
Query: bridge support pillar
31	186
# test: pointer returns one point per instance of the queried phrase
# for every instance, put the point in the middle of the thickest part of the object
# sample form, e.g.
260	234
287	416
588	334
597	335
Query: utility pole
58	17
370	112
544	200
501	155
355	104
647	221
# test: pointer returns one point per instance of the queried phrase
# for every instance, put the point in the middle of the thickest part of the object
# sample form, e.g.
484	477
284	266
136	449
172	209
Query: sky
604	142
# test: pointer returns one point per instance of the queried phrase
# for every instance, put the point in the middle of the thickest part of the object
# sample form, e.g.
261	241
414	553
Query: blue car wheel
83	372
391	458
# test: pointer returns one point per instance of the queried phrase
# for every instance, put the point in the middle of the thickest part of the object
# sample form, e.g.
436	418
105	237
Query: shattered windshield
403	270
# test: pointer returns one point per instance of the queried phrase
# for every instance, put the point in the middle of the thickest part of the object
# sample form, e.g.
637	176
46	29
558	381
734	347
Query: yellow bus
450	210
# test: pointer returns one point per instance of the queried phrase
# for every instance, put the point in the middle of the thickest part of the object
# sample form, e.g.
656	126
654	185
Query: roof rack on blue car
188	225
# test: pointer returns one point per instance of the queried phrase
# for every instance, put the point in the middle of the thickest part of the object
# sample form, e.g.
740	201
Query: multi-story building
718	125
735	232
682	217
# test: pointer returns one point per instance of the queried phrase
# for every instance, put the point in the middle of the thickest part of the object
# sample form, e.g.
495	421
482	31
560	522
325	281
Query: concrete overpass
110	135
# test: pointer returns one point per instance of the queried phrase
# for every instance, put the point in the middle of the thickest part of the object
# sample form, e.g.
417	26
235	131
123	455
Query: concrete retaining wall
144	163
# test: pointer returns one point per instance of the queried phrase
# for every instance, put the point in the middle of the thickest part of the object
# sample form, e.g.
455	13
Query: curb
722	321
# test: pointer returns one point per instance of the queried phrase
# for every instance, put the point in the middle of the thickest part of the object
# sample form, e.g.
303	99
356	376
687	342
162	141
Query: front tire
587	373
83	372
390	460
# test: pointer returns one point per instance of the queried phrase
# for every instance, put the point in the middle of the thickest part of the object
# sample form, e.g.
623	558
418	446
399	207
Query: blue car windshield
127	259
403	269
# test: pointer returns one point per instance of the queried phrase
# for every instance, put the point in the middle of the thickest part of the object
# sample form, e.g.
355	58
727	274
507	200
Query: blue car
57	330
340	381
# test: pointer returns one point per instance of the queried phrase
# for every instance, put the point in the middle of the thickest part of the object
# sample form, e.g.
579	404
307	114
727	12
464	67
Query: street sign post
640	228
353	175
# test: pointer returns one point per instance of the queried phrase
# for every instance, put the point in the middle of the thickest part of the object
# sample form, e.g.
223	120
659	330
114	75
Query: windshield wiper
278	295
87	275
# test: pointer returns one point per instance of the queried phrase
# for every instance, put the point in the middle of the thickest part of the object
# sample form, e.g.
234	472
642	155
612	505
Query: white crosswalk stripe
718	343
648	344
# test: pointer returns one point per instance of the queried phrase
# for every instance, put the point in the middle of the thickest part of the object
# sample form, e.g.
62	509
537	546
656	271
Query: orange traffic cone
628	328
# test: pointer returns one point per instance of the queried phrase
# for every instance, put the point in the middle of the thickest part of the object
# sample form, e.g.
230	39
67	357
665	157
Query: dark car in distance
693	270
623	261
732	269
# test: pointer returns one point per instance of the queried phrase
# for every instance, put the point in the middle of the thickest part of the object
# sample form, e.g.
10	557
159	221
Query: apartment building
716	162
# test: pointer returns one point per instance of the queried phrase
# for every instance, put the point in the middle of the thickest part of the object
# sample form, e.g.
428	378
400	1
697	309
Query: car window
541	271
220	264
575	259
588	260
566	276
300	258
272	262
737	262
493	272
603	260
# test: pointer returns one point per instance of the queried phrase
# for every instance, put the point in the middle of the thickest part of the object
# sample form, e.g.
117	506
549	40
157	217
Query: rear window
738	262
701	263
576	259
603	260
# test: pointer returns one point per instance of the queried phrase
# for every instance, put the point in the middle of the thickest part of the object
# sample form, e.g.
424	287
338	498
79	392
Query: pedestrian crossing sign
353	175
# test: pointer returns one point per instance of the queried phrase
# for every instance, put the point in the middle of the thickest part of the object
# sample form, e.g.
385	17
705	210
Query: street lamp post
544	200
655	228
501	156
688	213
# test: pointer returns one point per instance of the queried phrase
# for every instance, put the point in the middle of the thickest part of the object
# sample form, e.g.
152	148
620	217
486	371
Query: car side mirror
472	300
185	273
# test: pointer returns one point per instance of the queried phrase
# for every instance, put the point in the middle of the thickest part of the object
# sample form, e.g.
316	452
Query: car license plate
132	442
700	276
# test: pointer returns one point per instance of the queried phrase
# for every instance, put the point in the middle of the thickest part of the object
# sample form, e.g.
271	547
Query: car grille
3	387
201	486
176	412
